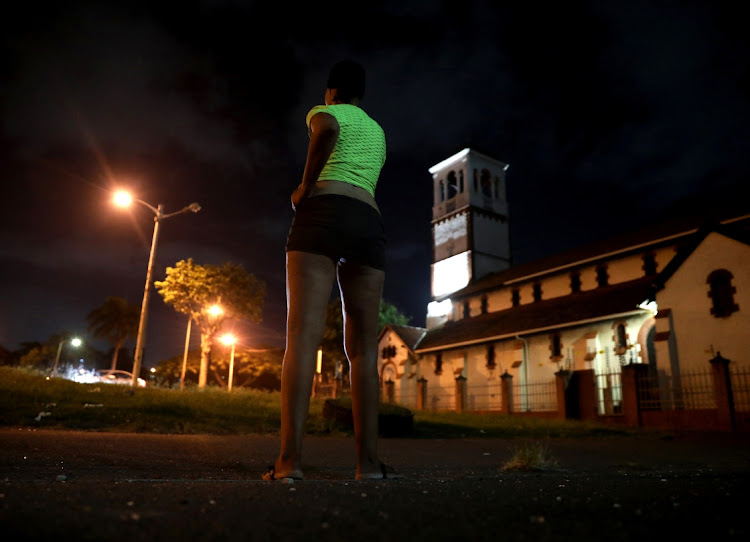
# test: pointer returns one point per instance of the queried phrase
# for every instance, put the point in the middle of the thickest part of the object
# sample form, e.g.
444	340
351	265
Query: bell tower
470	232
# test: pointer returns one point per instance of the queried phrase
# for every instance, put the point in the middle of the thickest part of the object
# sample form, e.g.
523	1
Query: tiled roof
557	312
644	238
409	334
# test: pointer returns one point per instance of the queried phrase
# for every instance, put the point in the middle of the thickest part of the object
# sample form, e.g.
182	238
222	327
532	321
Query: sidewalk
105	486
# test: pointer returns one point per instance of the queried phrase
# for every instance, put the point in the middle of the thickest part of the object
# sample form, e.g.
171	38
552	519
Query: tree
116	321
333	336
191	289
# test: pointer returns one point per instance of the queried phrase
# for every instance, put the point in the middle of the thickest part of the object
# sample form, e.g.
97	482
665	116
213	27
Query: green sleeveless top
359	152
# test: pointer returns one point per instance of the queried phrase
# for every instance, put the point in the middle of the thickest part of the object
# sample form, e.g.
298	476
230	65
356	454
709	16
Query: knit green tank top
359	152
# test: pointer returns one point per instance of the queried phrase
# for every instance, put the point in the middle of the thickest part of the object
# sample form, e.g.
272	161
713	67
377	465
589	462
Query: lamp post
214	311
230	339
73	342
124	199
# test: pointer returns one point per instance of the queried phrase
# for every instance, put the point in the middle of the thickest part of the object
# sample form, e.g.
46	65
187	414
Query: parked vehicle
109	376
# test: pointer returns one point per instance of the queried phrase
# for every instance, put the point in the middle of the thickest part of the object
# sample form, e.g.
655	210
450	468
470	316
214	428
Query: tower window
575	282
389	351
452	185
649	264
515	297
602	277
467	309
486	182
438	364
484	304
537	292
722	293
621	339
442	191
461	181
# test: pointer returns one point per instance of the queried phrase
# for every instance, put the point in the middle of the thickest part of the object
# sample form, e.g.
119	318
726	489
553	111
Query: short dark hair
348	77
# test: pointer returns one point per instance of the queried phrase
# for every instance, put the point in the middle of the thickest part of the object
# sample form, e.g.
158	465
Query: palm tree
116	321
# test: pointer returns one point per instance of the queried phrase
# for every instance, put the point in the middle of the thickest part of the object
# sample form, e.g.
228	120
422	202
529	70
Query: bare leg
309	281
361	288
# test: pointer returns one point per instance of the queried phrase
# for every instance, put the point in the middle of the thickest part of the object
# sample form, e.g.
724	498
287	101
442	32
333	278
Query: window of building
621	339
722	293
649	264
491	356
461	181
438	364
442	191
467	309
575	282
555	347
537	292
476	180
515	297
484	304
452	185
389	351
602	277
486	182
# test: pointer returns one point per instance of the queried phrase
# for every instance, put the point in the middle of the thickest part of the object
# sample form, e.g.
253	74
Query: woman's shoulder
315	110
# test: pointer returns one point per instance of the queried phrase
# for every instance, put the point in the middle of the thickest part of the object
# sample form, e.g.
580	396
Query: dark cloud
609	114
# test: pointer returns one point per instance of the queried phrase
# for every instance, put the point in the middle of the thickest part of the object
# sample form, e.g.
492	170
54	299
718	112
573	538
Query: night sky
611	115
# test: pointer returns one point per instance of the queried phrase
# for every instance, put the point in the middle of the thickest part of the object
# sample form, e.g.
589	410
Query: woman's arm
324	131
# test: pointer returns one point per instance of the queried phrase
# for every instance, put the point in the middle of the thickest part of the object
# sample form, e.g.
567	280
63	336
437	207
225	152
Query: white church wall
696	331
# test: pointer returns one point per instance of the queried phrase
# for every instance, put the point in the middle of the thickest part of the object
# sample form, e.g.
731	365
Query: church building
669	296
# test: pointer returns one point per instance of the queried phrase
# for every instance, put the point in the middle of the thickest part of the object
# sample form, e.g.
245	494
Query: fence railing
740	380
688	390
535	396
487	396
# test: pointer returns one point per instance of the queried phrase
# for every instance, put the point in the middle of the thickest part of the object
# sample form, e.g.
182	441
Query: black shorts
340	227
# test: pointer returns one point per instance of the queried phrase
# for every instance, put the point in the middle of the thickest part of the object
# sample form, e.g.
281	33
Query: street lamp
230	339
73	342
214	310
124	199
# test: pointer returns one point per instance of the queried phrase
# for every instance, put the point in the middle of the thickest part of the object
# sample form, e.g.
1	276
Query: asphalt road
64	485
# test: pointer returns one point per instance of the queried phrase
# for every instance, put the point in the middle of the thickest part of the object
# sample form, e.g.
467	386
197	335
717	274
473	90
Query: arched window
452	185
602	277
442	191
649	264
491	356
486	182
575	282
722	293
537	292
461	180
555	347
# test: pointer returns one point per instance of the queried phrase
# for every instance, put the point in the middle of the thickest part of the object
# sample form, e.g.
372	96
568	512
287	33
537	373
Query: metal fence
740	380
439	398
688	390
486	396
535	396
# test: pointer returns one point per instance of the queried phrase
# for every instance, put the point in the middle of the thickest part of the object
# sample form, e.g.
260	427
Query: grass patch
531	457
29	399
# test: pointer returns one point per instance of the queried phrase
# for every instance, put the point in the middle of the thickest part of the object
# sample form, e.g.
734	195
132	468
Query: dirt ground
103	486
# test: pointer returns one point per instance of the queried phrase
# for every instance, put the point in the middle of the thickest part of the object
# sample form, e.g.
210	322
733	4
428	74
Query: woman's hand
298	195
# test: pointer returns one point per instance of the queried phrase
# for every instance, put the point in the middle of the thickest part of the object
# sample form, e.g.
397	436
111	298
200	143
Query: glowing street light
213	310
230	339
76	342
123	198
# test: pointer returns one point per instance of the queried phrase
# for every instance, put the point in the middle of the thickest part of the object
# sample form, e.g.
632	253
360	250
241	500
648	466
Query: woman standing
337	234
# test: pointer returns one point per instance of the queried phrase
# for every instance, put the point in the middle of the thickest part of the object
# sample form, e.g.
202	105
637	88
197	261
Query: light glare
122	198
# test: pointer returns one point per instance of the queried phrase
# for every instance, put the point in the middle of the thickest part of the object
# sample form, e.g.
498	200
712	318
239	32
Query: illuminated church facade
670	296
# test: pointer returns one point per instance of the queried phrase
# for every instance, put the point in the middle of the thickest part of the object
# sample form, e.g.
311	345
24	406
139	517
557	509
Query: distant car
117	377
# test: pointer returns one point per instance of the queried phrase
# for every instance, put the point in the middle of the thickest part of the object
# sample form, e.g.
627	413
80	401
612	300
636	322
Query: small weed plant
533	456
